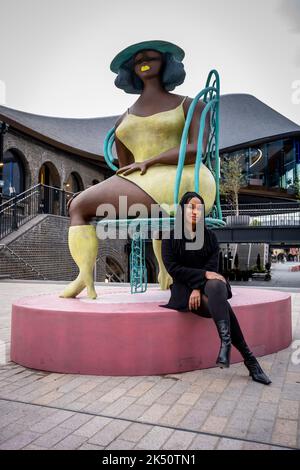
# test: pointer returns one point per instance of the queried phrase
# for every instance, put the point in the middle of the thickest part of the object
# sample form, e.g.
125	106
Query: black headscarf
178	244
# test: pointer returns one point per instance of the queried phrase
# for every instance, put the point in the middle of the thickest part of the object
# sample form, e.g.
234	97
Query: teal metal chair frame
139	227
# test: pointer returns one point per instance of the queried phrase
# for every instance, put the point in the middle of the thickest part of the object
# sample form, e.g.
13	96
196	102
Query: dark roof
83	137
243	119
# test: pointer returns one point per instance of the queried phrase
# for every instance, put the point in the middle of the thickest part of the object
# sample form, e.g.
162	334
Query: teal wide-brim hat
161	46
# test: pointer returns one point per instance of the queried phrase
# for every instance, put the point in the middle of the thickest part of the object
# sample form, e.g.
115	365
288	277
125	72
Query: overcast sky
55	54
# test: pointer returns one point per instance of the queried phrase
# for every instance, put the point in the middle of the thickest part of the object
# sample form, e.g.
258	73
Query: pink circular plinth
127	334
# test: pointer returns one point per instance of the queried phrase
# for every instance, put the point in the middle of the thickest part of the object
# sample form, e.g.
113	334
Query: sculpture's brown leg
85	205
83	242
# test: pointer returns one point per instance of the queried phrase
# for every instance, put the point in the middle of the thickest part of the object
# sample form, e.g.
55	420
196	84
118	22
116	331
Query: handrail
14	198
23	207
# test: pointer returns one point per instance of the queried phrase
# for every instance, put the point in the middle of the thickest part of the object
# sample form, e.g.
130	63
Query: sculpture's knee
77	213
73	208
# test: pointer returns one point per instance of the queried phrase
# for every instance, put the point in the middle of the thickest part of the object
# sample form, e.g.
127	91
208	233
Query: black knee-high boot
223	327
250	361
216	292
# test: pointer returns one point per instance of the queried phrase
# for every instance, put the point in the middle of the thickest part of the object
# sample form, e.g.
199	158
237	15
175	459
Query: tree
297	186
232	179
258	262
236	261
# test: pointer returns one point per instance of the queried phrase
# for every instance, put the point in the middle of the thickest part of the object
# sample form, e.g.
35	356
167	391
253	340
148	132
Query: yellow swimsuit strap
173	109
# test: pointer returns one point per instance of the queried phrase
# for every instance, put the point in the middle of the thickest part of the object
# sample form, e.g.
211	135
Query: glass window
13	174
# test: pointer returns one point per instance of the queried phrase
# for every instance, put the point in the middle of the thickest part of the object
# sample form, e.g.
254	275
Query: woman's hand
126	170
195	299
213	275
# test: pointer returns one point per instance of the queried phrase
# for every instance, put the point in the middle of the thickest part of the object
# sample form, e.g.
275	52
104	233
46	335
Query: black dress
188	270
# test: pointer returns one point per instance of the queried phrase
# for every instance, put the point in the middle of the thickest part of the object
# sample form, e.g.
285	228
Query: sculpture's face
147	64
193	210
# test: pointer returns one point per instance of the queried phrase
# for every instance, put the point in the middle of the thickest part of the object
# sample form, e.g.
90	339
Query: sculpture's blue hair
172	75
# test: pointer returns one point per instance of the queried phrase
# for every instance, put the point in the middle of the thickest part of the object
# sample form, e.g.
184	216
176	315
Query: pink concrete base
129	334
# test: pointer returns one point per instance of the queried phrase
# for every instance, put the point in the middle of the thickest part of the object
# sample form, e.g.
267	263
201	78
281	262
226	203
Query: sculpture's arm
170	157
125	157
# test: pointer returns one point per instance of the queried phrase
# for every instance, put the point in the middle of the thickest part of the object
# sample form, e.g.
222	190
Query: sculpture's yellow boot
83	245
164	278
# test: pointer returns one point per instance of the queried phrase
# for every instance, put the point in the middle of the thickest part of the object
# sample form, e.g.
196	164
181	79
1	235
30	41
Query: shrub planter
238	220
245	275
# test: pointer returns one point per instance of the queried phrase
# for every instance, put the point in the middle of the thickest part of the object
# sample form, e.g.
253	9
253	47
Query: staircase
14	258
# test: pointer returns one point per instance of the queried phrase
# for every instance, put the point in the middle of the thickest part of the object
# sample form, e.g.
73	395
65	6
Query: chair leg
164	278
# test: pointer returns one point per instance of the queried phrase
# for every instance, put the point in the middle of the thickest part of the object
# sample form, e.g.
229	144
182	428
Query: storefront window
272	164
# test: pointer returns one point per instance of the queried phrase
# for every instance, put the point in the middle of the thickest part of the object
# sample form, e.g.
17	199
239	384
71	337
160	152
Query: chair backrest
210	95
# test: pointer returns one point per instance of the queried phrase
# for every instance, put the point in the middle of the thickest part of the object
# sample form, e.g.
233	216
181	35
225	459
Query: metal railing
43	199
40	199
268	214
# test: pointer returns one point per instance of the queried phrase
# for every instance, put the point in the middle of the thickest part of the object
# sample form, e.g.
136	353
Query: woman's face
147	64
193	210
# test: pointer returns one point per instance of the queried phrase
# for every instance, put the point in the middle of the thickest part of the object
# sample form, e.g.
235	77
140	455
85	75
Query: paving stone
90	447
154	413
288	409
76	421
120	444
51	421
114	409
52	437
223	408
193	419
214	424
188	398
230	444
255	446
204	442
154	439
109	433
260	430
169	398
135	432
155	392
133	411
266	411
93	426
140	389
284	439
286	426
174	415
19	441
71	442
179	440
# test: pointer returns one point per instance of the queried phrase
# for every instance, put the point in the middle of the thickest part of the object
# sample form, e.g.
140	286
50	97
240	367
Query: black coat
188	270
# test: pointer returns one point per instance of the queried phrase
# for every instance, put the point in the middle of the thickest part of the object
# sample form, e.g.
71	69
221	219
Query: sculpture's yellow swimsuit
149	136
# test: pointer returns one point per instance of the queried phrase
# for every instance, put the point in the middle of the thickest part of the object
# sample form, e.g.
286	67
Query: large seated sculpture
109	331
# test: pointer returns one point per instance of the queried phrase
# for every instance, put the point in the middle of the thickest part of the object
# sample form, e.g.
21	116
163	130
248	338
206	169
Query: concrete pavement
203	409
